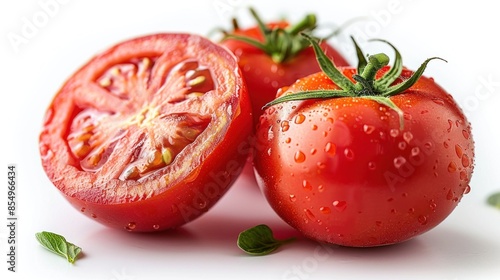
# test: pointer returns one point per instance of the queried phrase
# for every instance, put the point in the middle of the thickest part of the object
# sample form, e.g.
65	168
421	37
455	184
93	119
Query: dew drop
452	167
449	195
309	214
156	227
407	136
399	161
428	145
438	101
274	68
372	165
314	127
415	151
288	140
422	219
306	185
432	206
299	157
321	188
402	145
411	210
467	189
313	151
404	194
330	149
348	153
466	134
394	132
325	210
300	118
458	151
93	216
293	198
321	165
131	226
339	205
285	126
450	125
463	175
445	144
368	129
465	160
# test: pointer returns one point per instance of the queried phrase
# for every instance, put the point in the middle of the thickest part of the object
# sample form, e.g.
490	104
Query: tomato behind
146	135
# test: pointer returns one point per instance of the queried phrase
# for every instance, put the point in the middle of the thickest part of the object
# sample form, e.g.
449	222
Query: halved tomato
147	135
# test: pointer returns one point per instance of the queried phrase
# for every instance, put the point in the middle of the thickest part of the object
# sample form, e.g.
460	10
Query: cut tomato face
146	136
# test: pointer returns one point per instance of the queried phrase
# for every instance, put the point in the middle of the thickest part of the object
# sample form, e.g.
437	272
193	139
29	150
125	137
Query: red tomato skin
340	170
173	202
264	76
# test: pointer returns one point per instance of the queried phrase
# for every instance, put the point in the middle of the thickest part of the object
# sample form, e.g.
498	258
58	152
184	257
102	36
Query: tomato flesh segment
89	139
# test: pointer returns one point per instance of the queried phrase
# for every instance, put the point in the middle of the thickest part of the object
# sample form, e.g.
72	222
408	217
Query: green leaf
58	245
310	94
494	200
259	241
361	56
390	76
411	81
329	68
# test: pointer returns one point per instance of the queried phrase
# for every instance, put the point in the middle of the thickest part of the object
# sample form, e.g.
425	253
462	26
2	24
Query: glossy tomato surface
263	75
343	171
144	137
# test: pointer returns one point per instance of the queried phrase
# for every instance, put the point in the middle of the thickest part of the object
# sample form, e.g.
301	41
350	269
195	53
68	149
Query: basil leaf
259	241
58	245
494	200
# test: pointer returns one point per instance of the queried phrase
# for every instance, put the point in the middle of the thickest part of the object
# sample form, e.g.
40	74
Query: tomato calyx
280	43
367	85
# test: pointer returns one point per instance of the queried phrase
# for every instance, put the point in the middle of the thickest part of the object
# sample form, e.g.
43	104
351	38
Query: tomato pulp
144	137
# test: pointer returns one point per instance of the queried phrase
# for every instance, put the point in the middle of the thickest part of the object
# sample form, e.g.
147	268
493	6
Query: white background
464	246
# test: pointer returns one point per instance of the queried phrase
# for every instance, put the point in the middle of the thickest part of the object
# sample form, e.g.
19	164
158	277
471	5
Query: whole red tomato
364	157
144	136
272	55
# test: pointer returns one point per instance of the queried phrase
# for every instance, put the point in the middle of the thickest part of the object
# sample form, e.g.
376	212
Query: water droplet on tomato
458	151
432	205
314	127
274	68
467	189
299	157
368	129
394	132
422	219
321	188
321	165
445	144
93	216
452	167
465	160
306	185
293	198
330	149
411	210
131	226
399	161
325	210
339	205
156	227
466	134
407	136
269	151
313	151
463	175
415	151
288	140
82	209
285	126
428	145
309	214
449	195
349	154
438	101
372	165
450	125
300	118
402	145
